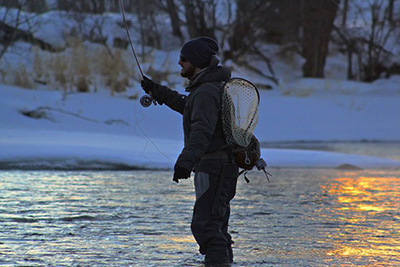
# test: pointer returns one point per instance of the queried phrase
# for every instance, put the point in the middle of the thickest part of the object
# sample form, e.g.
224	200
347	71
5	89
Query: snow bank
96	131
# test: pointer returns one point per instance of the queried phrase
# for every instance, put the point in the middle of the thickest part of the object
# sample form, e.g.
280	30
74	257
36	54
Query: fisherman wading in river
215	172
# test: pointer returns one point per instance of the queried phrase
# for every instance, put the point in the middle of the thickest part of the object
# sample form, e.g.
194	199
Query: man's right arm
164	95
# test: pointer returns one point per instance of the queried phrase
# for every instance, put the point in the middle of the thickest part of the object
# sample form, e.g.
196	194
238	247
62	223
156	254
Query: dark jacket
201	117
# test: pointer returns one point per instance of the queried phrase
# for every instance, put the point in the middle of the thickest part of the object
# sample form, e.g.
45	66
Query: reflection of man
215	173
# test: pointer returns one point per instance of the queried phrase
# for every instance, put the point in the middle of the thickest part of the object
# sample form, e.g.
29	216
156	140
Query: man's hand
180	173
147	85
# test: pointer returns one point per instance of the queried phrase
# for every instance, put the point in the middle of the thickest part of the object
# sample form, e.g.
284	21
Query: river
304	217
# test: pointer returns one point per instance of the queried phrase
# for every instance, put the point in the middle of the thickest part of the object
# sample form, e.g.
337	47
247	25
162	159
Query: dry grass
22	79
78	68
3	74
38	65
114	70
78	62
157	75
59	66
82	85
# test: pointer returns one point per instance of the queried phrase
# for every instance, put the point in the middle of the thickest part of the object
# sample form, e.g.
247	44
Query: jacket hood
211	74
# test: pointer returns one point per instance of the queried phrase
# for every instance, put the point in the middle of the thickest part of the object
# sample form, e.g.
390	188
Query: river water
304	217
380	149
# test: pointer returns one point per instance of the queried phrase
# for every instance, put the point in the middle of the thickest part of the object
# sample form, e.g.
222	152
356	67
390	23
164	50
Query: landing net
240	100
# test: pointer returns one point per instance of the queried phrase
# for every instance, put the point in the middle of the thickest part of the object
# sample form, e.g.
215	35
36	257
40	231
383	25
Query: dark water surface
304	217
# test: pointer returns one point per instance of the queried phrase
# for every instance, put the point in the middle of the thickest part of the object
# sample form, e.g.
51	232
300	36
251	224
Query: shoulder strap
219	85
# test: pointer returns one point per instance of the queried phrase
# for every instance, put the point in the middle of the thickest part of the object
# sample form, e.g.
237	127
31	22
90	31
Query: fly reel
146	101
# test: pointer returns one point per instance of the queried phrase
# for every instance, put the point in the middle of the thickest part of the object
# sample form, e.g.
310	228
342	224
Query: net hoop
240	101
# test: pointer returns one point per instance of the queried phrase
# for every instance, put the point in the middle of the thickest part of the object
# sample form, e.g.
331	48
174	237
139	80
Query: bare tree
380	33
351	48
146	12
372	44
319	16
228	12
9	3
112	6
170	7
257	22
390	9
272	21
14	16
82	6
344	13
37	6
200	17
244	27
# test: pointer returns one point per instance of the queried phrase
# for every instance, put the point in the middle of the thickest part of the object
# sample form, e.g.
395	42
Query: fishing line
147	139
142	75
137	125
149	99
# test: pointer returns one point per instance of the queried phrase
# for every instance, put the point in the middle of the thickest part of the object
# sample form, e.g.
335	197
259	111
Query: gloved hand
180	173
147	85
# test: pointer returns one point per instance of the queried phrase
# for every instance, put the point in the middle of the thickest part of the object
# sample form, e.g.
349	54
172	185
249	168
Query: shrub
77	68
22	79
59	67
82	86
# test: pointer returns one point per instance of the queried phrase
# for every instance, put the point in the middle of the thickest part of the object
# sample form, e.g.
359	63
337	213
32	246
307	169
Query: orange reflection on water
367	193
367	212
179	242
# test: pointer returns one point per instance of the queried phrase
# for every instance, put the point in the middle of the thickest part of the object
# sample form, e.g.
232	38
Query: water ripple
139	218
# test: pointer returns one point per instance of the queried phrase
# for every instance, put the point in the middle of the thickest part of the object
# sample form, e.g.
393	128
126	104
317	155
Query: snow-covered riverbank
50	130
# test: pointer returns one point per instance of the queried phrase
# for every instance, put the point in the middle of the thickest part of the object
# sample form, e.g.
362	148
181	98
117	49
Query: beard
188	72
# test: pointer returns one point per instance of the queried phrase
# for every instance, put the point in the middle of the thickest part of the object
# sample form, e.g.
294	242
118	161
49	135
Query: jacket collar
209	74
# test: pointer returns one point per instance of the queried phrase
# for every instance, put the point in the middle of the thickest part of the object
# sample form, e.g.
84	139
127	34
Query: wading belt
215	155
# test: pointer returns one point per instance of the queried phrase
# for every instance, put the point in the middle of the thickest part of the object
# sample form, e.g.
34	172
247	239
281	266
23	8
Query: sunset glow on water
369	207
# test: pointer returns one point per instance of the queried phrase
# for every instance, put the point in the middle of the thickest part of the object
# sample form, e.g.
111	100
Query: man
215	172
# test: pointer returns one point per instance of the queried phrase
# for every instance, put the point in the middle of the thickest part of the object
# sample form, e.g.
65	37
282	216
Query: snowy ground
97	131
45	128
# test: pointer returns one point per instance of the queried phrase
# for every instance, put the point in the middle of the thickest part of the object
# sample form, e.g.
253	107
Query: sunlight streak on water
371	206
304	217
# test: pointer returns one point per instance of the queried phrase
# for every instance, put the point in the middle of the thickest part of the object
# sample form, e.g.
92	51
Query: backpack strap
244	175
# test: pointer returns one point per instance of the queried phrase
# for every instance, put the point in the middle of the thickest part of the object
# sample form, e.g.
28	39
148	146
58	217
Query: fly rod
129	37
145	100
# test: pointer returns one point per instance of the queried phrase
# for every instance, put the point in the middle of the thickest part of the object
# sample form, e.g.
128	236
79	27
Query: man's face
188	70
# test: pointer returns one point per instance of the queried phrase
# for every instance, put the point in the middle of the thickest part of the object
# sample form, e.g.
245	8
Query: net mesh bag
240	101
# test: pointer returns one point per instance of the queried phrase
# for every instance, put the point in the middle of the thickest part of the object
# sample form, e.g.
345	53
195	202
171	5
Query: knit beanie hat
200	51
